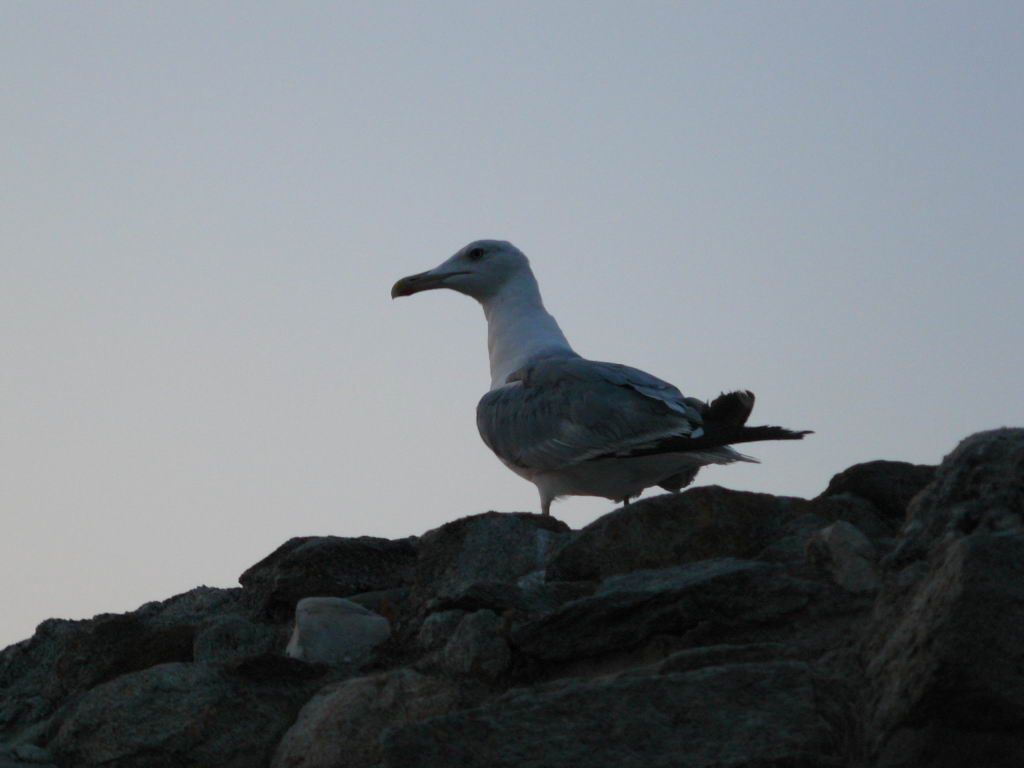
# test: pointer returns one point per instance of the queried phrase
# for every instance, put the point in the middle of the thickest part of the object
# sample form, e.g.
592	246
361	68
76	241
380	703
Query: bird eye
475	254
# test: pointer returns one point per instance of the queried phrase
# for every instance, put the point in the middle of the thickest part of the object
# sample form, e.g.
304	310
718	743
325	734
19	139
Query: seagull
578	427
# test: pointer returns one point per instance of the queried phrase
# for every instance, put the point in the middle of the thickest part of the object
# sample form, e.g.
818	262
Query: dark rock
528	599
437	628
44	674
722	655
478	647
325	566
857	511
25	756
630	609
343	723
235	637
889	485
178	715
879	625
495	595
673	529
741	715
387	602
485	548
945	659
790	545
944	652
978	487
847	555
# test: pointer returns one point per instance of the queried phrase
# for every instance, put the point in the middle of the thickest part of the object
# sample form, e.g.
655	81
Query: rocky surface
879	625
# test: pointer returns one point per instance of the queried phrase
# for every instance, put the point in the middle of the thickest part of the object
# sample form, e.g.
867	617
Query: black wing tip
731	408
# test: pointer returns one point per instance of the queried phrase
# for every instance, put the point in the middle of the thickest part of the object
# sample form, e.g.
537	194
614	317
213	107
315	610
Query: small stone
331	630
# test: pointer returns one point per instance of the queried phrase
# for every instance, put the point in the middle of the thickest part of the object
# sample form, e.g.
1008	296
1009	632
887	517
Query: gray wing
553	413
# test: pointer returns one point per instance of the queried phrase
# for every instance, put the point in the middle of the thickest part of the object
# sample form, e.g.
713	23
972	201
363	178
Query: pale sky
204	206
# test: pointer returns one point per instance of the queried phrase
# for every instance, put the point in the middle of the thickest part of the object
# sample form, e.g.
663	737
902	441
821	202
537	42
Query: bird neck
519	328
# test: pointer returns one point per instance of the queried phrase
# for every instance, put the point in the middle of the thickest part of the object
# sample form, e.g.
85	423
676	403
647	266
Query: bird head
480	270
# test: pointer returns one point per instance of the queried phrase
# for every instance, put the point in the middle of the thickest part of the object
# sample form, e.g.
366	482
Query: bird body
572	426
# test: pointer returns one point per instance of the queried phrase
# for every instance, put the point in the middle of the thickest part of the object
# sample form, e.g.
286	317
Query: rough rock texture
632	608
342	724
671	530
739	715
478	647
64	659
889	485
489	547
879	625
326	566
944	652
848	556
979	487
185	714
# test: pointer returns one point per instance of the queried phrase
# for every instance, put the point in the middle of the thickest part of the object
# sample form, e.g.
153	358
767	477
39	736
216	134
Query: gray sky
204	206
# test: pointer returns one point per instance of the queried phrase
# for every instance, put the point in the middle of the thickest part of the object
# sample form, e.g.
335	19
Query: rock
847	555
64	659
437	628
740	715
978	487
329	630
944	660
491	547
944	647
856	511
343	723
386	602
24	756
529	598
790	546
888	485
880	625
478	647
630	609
327	566
723	655
673	529
30	753
496	595
234	637
178	715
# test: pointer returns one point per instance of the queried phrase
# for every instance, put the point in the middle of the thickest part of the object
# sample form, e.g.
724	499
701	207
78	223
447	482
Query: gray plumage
574	426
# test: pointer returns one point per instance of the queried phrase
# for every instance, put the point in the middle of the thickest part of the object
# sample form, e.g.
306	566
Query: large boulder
742	716
492	547
711	598
673	529
186	715
888	485
325	566
944	651
946	662
342	724
978	487
64	659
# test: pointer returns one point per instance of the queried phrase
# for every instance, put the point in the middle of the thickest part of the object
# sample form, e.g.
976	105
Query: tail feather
731	408
725	420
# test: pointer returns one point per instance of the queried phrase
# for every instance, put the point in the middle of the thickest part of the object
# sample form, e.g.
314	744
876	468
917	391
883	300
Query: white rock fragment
330	630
